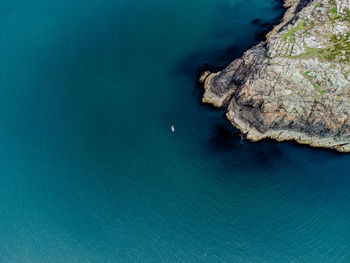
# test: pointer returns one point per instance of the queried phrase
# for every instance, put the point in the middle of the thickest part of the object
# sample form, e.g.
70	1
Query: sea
90	170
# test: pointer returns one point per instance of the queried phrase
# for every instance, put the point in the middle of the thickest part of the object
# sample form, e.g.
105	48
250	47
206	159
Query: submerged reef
296	84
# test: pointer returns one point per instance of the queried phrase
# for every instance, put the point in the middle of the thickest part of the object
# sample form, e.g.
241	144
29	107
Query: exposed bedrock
296	84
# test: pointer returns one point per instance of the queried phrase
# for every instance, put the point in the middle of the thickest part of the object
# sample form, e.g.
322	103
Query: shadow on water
229	142
213	59
262	26
216	58
236	151
265	27
224	138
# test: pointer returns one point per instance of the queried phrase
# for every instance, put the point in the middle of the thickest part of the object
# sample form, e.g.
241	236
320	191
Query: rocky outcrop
296	84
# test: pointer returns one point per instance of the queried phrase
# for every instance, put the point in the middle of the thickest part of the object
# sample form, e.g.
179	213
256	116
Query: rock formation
296	84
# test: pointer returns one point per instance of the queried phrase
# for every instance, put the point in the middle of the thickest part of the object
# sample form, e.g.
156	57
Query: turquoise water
90	171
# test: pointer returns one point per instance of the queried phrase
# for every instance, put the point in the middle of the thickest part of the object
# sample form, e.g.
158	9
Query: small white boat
172	128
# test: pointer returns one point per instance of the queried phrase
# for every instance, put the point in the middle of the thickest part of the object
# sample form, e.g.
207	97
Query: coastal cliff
296	84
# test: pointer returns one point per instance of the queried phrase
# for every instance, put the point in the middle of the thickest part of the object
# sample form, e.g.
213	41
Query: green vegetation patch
338	50
309	53
291	32
334	13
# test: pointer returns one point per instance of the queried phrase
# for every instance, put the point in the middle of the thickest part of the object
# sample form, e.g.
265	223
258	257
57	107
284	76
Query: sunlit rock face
342	5
296	84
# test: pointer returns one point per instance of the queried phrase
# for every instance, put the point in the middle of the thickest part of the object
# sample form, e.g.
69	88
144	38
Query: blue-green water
90	171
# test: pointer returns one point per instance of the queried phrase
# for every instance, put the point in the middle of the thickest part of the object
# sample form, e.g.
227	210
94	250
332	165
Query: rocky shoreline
296	84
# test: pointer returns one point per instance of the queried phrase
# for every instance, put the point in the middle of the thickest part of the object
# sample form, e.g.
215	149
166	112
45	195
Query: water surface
90	171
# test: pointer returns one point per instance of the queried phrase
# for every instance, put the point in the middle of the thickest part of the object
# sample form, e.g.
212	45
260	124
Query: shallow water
90	171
